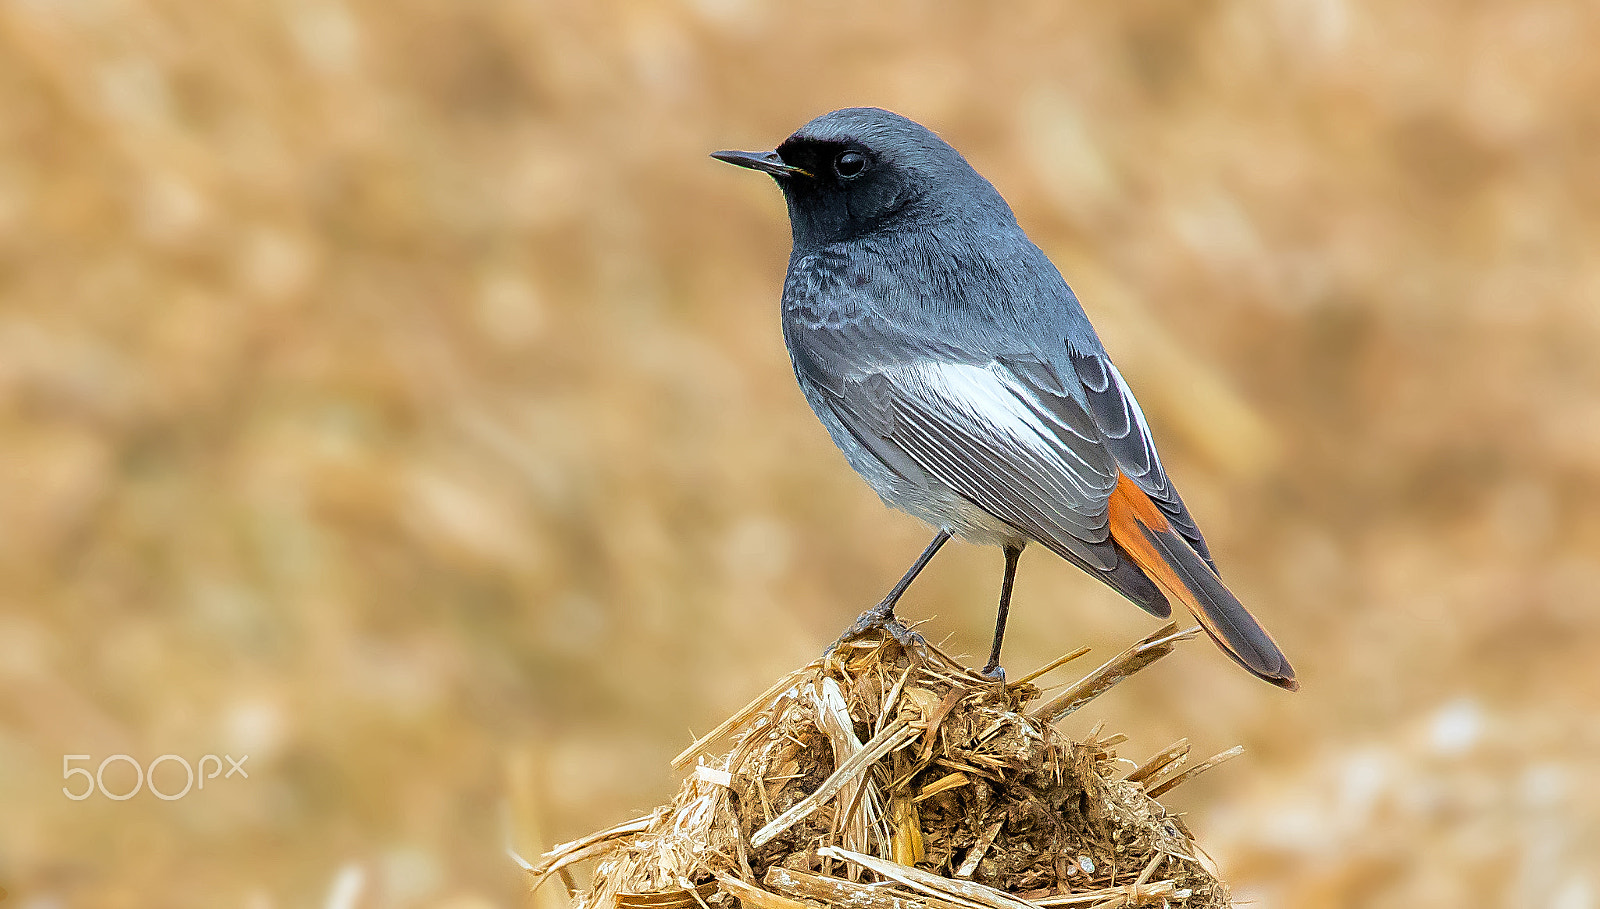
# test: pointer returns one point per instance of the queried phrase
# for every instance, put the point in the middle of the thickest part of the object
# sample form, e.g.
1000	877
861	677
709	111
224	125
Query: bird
956	370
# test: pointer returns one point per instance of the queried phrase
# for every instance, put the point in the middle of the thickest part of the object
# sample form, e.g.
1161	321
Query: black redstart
956	371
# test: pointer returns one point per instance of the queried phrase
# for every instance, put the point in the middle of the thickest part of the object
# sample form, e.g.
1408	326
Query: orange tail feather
1142	531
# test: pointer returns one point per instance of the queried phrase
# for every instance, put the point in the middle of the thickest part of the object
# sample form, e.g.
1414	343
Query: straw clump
890	777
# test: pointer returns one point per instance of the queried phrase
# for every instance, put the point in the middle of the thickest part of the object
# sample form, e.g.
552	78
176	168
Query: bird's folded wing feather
1123	429
979	431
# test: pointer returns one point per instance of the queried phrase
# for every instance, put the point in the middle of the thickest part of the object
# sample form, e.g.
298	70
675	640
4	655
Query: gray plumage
947	357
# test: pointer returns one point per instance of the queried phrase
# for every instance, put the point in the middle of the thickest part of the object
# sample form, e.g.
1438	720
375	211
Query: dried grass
886	777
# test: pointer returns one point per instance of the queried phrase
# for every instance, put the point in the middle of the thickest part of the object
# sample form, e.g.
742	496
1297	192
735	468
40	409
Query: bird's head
861	169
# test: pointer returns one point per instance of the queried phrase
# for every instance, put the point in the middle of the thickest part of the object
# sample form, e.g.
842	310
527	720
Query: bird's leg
881	617
993	670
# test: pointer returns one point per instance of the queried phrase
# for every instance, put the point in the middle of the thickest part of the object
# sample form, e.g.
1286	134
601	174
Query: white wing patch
989	397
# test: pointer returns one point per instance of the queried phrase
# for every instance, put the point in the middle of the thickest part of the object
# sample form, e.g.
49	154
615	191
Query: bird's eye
849	164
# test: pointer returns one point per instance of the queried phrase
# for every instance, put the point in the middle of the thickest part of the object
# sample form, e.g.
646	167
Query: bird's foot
881	619
994	672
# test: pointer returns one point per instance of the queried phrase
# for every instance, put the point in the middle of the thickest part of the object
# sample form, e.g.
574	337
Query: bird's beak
768	162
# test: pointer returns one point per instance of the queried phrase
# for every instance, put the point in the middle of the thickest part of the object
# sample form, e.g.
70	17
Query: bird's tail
1143	532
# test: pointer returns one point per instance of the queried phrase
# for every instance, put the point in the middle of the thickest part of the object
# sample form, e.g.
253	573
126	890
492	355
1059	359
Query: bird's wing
979	431
1123	430
1032	461
1002	430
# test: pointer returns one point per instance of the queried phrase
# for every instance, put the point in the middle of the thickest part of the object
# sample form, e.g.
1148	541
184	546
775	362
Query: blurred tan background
393	392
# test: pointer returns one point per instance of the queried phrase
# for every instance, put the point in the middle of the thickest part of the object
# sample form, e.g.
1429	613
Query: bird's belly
948	510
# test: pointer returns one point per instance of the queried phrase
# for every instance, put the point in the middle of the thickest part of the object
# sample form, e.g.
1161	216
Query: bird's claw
884	622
